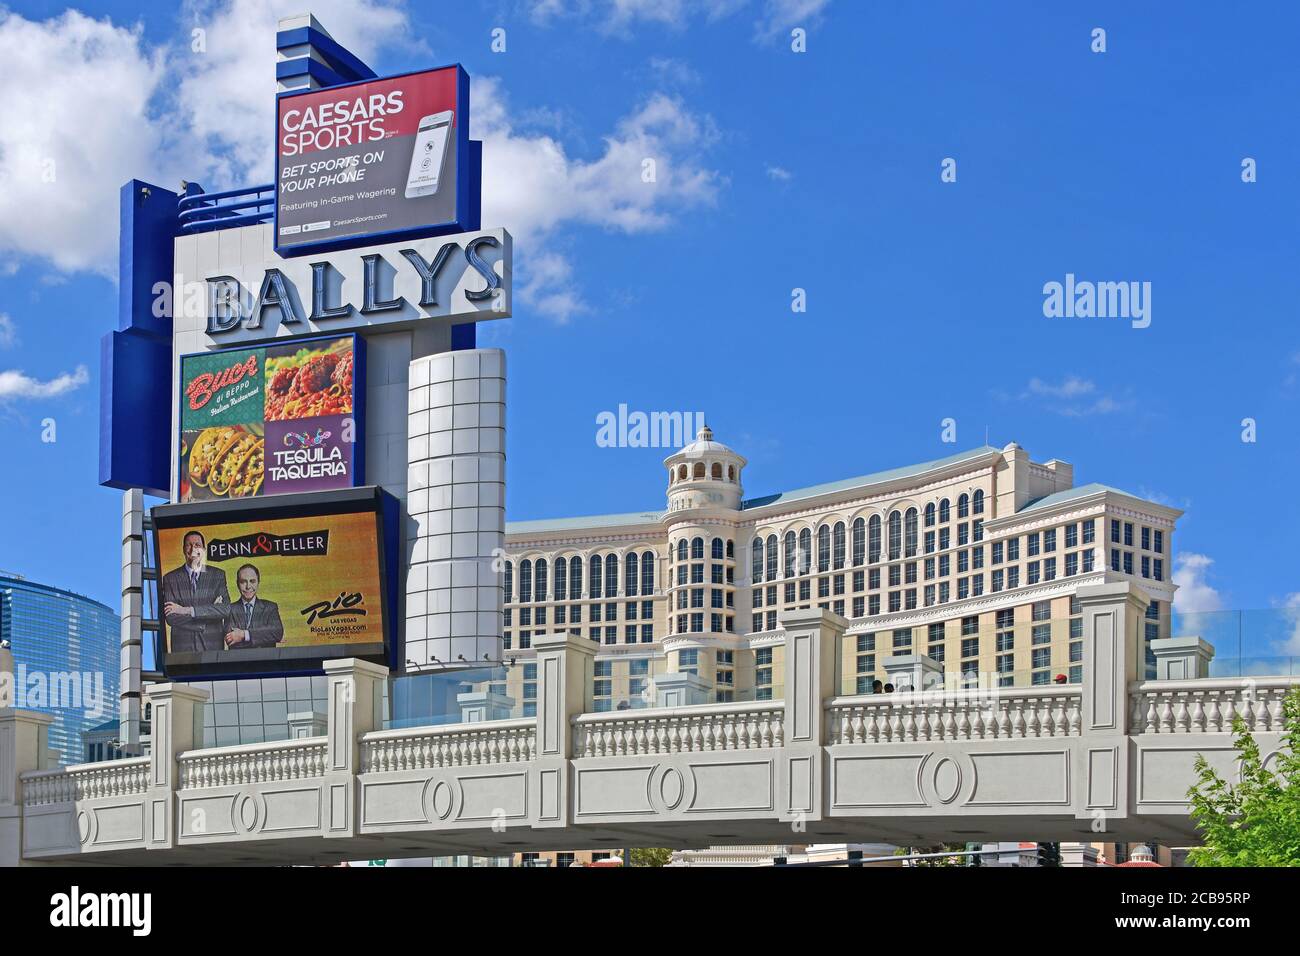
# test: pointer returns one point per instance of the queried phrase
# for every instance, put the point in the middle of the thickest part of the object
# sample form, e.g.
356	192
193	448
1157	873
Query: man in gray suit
252	621
195	599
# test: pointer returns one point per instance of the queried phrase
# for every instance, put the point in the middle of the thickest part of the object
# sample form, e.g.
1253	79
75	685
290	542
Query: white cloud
1071	387
16	385
1291	645
77	125
533	187
1073	397
671	72
223	90
1195	594
781	16
774	17
8	332
92	105
779	173
1160	498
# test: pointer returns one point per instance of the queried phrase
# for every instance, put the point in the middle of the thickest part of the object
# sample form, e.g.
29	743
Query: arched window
526	581
873	539
539	578
681	550
837	546
731	472
697	549
611	575
575	578
716	548
859	541
944	513
805	551
979	502
790	551
823	549
561	566
929	515
910	531
629	573
895	536
594	575
731	548
672	476
771	557
681	473
510	581
963	506
756	560
647	573
699	469
716	471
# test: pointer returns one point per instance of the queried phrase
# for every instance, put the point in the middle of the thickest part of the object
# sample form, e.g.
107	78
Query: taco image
248	479
226	468
208	447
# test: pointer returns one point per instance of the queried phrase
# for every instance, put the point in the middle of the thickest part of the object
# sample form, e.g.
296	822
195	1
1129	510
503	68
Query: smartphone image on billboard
430	153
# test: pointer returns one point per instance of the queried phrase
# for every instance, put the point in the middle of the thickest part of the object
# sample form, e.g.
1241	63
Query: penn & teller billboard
378	159
275	586
271	420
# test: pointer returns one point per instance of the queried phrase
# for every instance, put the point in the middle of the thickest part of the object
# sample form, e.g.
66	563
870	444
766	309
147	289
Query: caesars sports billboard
272	420
251	587
378	157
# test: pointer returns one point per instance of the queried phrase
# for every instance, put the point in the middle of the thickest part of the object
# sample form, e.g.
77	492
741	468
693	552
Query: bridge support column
1182	658
356	701
812	643
177	727
565	665
24	746
1113	657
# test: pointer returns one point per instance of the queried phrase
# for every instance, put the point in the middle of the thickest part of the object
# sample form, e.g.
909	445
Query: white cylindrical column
456	434
132	626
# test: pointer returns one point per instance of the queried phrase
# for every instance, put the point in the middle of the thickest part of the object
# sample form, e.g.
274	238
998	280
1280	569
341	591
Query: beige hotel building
973	560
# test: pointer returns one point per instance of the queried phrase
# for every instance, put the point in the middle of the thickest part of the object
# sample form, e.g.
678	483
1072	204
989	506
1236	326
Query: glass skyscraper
65	649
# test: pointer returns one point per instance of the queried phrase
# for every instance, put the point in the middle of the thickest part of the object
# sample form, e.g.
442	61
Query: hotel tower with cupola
972	560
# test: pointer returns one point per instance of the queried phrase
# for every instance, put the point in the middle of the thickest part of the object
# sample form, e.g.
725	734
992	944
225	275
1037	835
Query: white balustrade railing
252	763
453	745
1208	705
91	781
668	730
992	714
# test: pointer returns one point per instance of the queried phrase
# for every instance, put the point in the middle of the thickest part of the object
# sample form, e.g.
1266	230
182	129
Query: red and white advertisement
369	159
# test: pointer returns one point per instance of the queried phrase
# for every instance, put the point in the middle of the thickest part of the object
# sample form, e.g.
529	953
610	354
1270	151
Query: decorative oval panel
947	780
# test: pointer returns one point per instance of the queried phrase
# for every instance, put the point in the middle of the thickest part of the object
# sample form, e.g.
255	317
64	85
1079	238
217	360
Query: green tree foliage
651	856
1255	822
939	848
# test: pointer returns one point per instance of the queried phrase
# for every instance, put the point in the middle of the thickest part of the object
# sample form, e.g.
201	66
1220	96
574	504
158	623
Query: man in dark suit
251	621
194	599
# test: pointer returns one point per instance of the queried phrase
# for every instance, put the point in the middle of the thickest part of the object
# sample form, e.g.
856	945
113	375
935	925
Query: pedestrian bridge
1108	759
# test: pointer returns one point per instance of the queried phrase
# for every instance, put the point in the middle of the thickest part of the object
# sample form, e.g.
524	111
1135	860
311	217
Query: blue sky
776	170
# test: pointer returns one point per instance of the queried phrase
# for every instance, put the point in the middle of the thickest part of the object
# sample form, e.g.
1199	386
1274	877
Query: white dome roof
704	447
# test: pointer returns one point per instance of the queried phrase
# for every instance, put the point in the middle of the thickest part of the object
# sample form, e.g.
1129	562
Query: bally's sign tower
295	372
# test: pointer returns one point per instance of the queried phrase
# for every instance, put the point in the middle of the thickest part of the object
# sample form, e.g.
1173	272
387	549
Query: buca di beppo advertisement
245	587
268	421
